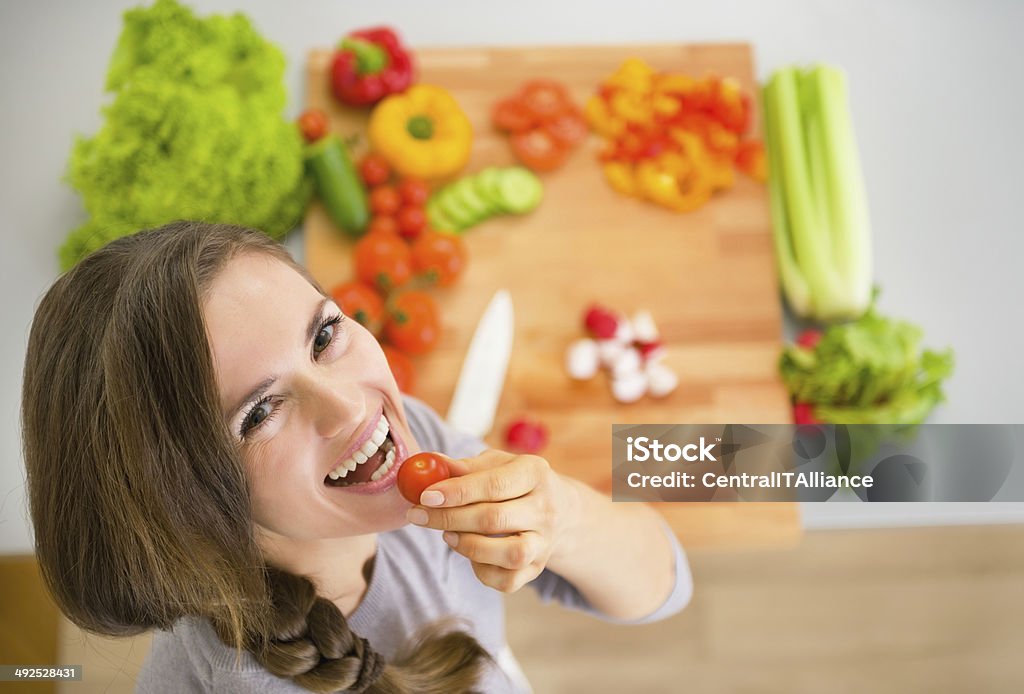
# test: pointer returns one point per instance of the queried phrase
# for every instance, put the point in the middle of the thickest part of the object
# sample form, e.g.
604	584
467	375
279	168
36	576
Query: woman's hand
506	513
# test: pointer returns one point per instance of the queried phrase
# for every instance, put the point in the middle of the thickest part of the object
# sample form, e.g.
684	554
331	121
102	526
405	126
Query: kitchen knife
483	371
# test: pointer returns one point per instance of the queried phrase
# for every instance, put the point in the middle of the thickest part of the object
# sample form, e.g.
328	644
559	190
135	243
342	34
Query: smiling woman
212	450
190	396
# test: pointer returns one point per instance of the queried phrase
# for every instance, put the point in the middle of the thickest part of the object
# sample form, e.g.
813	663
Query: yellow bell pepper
422	132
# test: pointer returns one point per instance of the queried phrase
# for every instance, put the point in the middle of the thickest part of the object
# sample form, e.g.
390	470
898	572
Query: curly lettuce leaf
195	131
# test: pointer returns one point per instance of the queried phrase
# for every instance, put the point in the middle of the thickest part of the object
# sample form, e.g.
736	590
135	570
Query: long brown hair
138	496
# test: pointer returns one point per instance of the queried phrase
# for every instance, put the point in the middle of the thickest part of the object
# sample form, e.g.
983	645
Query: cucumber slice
464	191
437	219
519	190
454	209
486	183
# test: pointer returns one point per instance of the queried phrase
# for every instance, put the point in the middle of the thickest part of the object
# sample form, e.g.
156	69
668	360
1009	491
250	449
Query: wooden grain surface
708	278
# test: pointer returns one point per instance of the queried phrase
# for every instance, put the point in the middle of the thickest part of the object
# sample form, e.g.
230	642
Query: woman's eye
326	334
257	415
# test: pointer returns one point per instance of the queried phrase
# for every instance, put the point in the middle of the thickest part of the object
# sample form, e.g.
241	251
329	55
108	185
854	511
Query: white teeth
368	449
389	461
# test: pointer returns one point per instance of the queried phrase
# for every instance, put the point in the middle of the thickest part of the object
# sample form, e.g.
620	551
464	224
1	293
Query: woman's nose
333	407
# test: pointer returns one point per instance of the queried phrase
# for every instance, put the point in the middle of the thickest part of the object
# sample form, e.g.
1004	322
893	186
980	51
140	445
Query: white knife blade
483	371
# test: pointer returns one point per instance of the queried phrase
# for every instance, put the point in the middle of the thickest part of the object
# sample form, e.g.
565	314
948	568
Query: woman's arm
616	554
514	517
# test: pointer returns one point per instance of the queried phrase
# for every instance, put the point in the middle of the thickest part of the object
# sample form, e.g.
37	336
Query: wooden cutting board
708	277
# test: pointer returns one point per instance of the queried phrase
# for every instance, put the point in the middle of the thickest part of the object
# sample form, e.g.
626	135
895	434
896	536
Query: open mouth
368	464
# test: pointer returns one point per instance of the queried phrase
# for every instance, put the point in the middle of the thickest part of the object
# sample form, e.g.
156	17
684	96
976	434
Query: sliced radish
608	351
661	380
601	322
628	362
582	359
644	329
629	388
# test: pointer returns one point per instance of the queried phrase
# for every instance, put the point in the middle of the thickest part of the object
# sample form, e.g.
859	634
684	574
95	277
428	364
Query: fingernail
432	498
417	516
451	538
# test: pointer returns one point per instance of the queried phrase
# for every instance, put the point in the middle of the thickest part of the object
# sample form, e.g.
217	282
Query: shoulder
190	657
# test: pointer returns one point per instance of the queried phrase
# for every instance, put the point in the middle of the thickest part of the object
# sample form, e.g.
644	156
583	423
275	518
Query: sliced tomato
569	128
513	115
545	99
538	150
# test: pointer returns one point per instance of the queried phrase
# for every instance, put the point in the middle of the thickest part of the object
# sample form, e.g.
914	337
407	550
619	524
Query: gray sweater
416	579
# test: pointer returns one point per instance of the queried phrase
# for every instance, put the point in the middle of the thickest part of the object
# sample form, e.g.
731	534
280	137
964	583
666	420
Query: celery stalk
819	208
849	223
794	286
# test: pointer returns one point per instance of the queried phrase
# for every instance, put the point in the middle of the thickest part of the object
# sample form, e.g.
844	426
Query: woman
212	450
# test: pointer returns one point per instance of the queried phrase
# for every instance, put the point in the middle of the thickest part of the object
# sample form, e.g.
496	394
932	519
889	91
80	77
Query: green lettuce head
195	131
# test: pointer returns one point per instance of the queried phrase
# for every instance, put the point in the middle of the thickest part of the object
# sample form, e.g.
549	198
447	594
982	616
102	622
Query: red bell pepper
369	65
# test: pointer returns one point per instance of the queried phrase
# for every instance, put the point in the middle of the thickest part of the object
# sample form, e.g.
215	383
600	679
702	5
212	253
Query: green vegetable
474	199
870	371
519	190
338	184
195	130
820	215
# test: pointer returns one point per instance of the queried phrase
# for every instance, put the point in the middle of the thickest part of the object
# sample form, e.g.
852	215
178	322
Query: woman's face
301	394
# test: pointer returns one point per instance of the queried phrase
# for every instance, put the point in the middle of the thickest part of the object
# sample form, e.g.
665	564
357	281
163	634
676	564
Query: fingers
515	552
492	476
486	518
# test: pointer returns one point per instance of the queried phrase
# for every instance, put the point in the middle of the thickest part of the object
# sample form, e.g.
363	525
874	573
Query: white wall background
937	104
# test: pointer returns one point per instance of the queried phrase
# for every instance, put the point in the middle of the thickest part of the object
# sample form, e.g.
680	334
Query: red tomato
374	170
569	129
538	150
411	222
383	261
383	224
385	200
545	99
513	115
361	302
441	257
414	324
313	124
401	368
419	472
413	193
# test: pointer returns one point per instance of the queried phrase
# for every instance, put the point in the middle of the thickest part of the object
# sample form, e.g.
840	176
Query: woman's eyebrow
265	384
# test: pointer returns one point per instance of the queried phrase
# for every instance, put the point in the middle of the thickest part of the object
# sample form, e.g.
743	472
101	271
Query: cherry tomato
313	124
513	115
440	257
361	302
401	368
413	193
374	170
383	261
414	323
411	222
538	150
419	472
383	224
526	436
545	99
569	129
385	200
